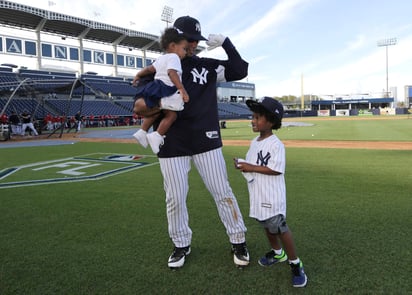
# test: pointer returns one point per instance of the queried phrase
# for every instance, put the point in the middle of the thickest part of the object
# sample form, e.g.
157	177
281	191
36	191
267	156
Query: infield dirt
382	145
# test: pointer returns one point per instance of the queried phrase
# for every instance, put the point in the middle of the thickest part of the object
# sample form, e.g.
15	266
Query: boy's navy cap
190	28
269	104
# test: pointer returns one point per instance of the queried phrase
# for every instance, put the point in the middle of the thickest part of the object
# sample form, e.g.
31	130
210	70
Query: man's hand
215	40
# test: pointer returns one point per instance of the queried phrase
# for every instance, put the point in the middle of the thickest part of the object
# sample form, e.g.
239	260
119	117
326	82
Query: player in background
27	123
167	87
78	120
264	170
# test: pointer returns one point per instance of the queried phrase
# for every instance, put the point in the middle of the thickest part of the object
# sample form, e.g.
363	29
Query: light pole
386	43
167	15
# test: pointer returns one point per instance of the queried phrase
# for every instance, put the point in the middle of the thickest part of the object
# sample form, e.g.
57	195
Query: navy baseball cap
269	104
190	28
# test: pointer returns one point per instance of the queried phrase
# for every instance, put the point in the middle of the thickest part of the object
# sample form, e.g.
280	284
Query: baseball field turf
88	216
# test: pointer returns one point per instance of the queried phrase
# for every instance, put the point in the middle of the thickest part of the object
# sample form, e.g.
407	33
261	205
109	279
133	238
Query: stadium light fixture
167	15
386	43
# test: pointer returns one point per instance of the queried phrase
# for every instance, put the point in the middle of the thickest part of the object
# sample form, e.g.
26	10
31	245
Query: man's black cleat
177	258
240	254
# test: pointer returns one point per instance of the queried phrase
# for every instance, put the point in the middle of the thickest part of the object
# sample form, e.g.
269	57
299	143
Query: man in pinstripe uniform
264	169
195	137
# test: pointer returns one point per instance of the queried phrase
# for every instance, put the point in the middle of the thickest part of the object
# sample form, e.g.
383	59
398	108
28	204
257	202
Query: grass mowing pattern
326	129
349	211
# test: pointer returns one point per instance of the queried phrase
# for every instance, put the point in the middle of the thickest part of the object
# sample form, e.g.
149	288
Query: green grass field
349	211
323	128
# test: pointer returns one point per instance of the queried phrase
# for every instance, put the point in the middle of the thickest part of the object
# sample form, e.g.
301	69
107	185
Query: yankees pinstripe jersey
267	193
196	129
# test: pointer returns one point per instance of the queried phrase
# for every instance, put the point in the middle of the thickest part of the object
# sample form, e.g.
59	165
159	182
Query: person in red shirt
49	122
4	119
91	120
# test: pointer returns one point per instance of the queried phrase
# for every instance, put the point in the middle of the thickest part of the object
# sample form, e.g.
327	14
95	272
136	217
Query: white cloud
347	60
268	24
356	44
258	59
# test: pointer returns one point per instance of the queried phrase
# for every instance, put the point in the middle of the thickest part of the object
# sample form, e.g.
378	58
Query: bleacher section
48	93
126	104
48	82
95	107
231	110
99	107
19	105
109	86
8	80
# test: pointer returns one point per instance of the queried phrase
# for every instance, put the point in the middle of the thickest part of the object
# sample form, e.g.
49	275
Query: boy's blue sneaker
271	258
299	278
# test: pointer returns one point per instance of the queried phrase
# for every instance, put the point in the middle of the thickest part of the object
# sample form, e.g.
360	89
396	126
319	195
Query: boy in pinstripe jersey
264	169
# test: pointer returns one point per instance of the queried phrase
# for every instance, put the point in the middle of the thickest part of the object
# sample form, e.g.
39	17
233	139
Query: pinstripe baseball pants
212	168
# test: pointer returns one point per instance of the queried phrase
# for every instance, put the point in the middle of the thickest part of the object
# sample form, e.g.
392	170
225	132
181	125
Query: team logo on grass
79	168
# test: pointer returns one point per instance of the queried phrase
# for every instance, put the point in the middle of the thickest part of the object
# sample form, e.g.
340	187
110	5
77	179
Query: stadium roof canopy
23	16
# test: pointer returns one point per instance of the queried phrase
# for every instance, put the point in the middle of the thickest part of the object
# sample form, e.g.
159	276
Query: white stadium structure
56	64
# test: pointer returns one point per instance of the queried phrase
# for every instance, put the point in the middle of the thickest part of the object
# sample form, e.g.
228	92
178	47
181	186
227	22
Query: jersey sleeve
233	69
277	160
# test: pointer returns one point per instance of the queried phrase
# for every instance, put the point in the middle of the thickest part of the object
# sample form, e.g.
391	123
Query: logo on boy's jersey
202	76
262	160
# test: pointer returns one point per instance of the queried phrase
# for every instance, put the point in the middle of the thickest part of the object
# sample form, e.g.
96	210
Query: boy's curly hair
276	122
170	35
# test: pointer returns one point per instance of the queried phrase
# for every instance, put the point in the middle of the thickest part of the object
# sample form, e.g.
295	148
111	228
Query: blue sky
332	44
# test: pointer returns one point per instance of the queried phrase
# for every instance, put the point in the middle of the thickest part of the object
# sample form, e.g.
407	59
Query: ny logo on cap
197	27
